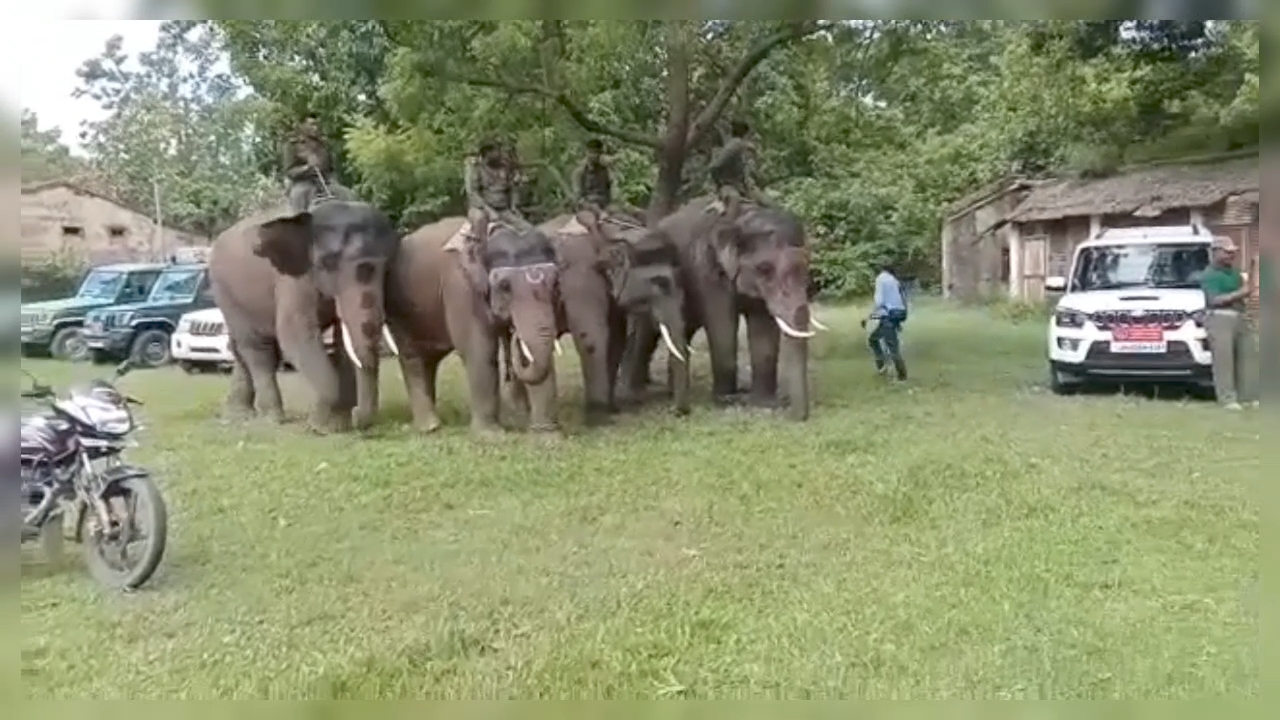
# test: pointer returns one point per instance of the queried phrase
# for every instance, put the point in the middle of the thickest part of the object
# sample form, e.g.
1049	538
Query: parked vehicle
1132	310
141	331
201	342
71	466
55	327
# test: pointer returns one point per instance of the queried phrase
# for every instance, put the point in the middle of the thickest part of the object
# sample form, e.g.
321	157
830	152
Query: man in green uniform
593	184
1230	336
308	166
491	187
732	169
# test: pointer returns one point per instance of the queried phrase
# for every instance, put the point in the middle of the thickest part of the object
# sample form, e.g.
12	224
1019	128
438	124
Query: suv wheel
1062	384
151	348
69	344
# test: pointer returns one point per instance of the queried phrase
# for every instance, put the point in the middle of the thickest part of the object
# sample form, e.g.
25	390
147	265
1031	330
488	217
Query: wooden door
1035	252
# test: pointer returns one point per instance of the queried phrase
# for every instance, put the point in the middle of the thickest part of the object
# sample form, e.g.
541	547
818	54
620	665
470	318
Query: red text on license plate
1138	333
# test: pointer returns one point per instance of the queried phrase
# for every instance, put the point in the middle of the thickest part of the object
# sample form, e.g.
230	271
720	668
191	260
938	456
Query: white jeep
1132	310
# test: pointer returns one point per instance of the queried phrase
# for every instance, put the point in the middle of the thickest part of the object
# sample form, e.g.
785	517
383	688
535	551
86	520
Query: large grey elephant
754	265
609	271
281	280
475	292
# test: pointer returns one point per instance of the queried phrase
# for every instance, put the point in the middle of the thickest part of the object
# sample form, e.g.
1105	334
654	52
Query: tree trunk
671	155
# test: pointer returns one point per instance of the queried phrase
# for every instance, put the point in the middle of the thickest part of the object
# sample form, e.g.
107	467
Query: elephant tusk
559	350
348	345
524	350
792	332
671	345
391	341
816	324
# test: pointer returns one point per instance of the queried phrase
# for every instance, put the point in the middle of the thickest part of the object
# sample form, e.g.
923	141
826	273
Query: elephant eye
765	269
504	285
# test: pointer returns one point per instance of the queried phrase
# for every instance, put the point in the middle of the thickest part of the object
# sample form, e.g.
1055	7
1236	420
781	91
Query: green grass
967	535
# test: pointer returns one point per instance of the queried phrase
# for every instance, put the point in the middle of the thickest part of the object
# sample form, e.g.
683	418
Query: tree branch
756	55
578	113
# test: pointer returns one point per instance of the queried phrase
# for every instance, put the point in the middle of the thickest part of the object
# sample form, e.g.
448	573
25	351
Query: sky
46	45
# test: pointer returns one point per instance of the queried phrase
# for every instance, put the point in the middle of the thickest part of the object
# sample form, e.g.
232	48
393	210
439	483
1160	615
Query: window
1114	267
117	231
73	230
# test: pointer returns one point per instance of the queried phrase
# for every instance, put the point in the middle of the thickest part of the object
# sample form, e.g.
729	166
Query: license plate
95	344
1140	347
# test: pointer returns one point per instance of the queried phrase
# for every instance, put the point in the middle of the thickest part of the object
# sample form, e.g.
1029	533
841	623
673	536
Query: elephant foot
427	424
487	432
275	416
598	414
236	413
680	410
768	402
546	437
730	400
327	421
362	419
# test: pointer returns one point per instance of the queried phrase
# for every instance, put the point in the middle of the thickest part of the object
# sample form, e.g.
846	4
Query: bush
54	277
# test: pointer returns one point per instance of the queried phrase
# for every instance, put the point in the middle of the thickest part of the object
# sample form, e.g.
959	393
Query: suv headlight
1198	317
1069	318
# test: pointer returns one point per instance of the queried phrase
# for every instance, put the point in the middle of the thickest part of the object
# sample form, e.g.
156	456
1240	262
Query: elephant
608	272
753	265
281	281
475	292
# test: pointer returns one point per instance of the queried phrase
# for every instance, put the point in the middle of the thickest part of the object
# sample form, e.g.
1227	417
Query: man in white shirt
890	310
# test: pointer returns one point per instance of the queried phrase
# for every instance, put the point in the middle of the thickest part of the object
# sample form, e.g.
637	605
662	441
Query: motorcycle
71	466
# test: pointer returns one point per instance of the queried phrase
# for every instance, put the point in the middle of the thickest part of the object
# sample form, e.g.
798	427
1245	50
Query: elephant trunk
533	344
795	323
670	320
362	327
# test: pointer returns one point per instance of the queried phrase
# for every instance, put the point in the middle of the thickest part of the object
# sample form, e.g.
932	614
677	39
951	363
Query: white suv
1132	309
201	342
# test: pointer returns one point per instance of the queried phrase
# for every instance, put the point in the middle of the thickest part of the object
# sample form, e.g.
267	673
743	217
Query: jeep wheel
69	344
1062	384
188	367
151	348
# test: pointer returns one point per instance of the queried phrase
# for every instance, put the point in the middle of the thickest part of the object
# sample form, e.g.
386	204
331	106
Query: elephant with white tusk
753	265
281	280
475	290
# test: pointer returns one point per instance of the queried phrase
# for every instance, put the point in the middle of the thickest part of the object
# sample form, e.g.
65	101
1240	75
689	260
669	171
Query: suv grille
1167	319
206	327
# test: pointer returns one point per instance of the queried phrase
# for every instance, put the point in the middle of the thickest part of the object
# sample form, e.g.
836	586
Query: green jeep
54	327
140	331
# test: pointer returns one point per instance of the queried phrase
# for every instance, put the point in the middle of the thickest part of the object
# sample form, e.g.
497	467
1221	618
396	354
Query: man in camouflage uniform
593	184
491	179
732	168
307	166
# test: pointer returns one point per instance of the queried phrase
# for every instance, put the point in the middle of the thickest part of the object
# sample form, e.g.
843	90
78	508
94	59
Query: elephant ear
472	257
286	243
726	242
614	262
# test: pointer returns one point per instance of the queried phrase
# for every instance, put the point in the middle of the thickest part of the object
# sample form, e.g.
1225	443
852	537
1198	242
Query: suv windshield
176	285
101	285
1156	265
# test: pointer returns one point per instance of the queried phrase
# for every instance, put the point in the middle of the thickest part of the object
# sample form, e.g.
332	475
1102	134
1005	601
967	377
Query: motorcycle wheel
135	505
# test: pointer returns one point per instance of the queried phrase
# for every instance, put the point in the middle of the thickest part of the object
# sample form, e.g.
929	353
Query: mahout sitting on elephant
751	262
281	280
611	269
474	290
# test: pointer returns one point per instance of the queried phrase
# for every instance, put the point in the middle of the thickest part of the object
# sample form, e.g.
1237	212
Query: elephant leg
617	348
720	320
239	401
346	371
419	373
543	405
762	339
299	334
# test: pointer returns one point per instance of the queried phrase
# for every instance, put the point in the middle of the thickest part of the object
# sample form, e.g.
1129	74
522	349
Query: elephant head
641	266
520	278
763	253
344	249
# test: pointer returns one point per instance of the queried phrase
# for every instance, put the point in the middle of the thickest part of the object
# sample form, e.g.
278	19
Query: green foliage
50	278
868	129
178	124
43	155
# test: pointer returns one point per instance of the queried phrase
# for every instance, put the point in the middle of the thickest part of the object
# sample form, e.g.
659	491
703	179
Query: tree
179	128
42	152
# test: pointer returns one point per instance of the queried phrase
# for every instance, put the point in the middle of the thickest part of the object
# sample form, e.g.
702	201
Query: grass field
965	535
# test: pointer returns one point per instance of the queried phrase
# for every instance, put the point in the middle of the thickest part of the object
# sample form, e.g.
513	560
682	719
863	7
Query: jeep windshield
175	286
1140	266
101	285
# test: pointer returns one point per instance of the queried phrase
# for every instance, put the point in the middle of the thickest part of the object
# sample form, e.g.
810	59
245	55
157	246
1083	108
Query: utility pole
159	230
